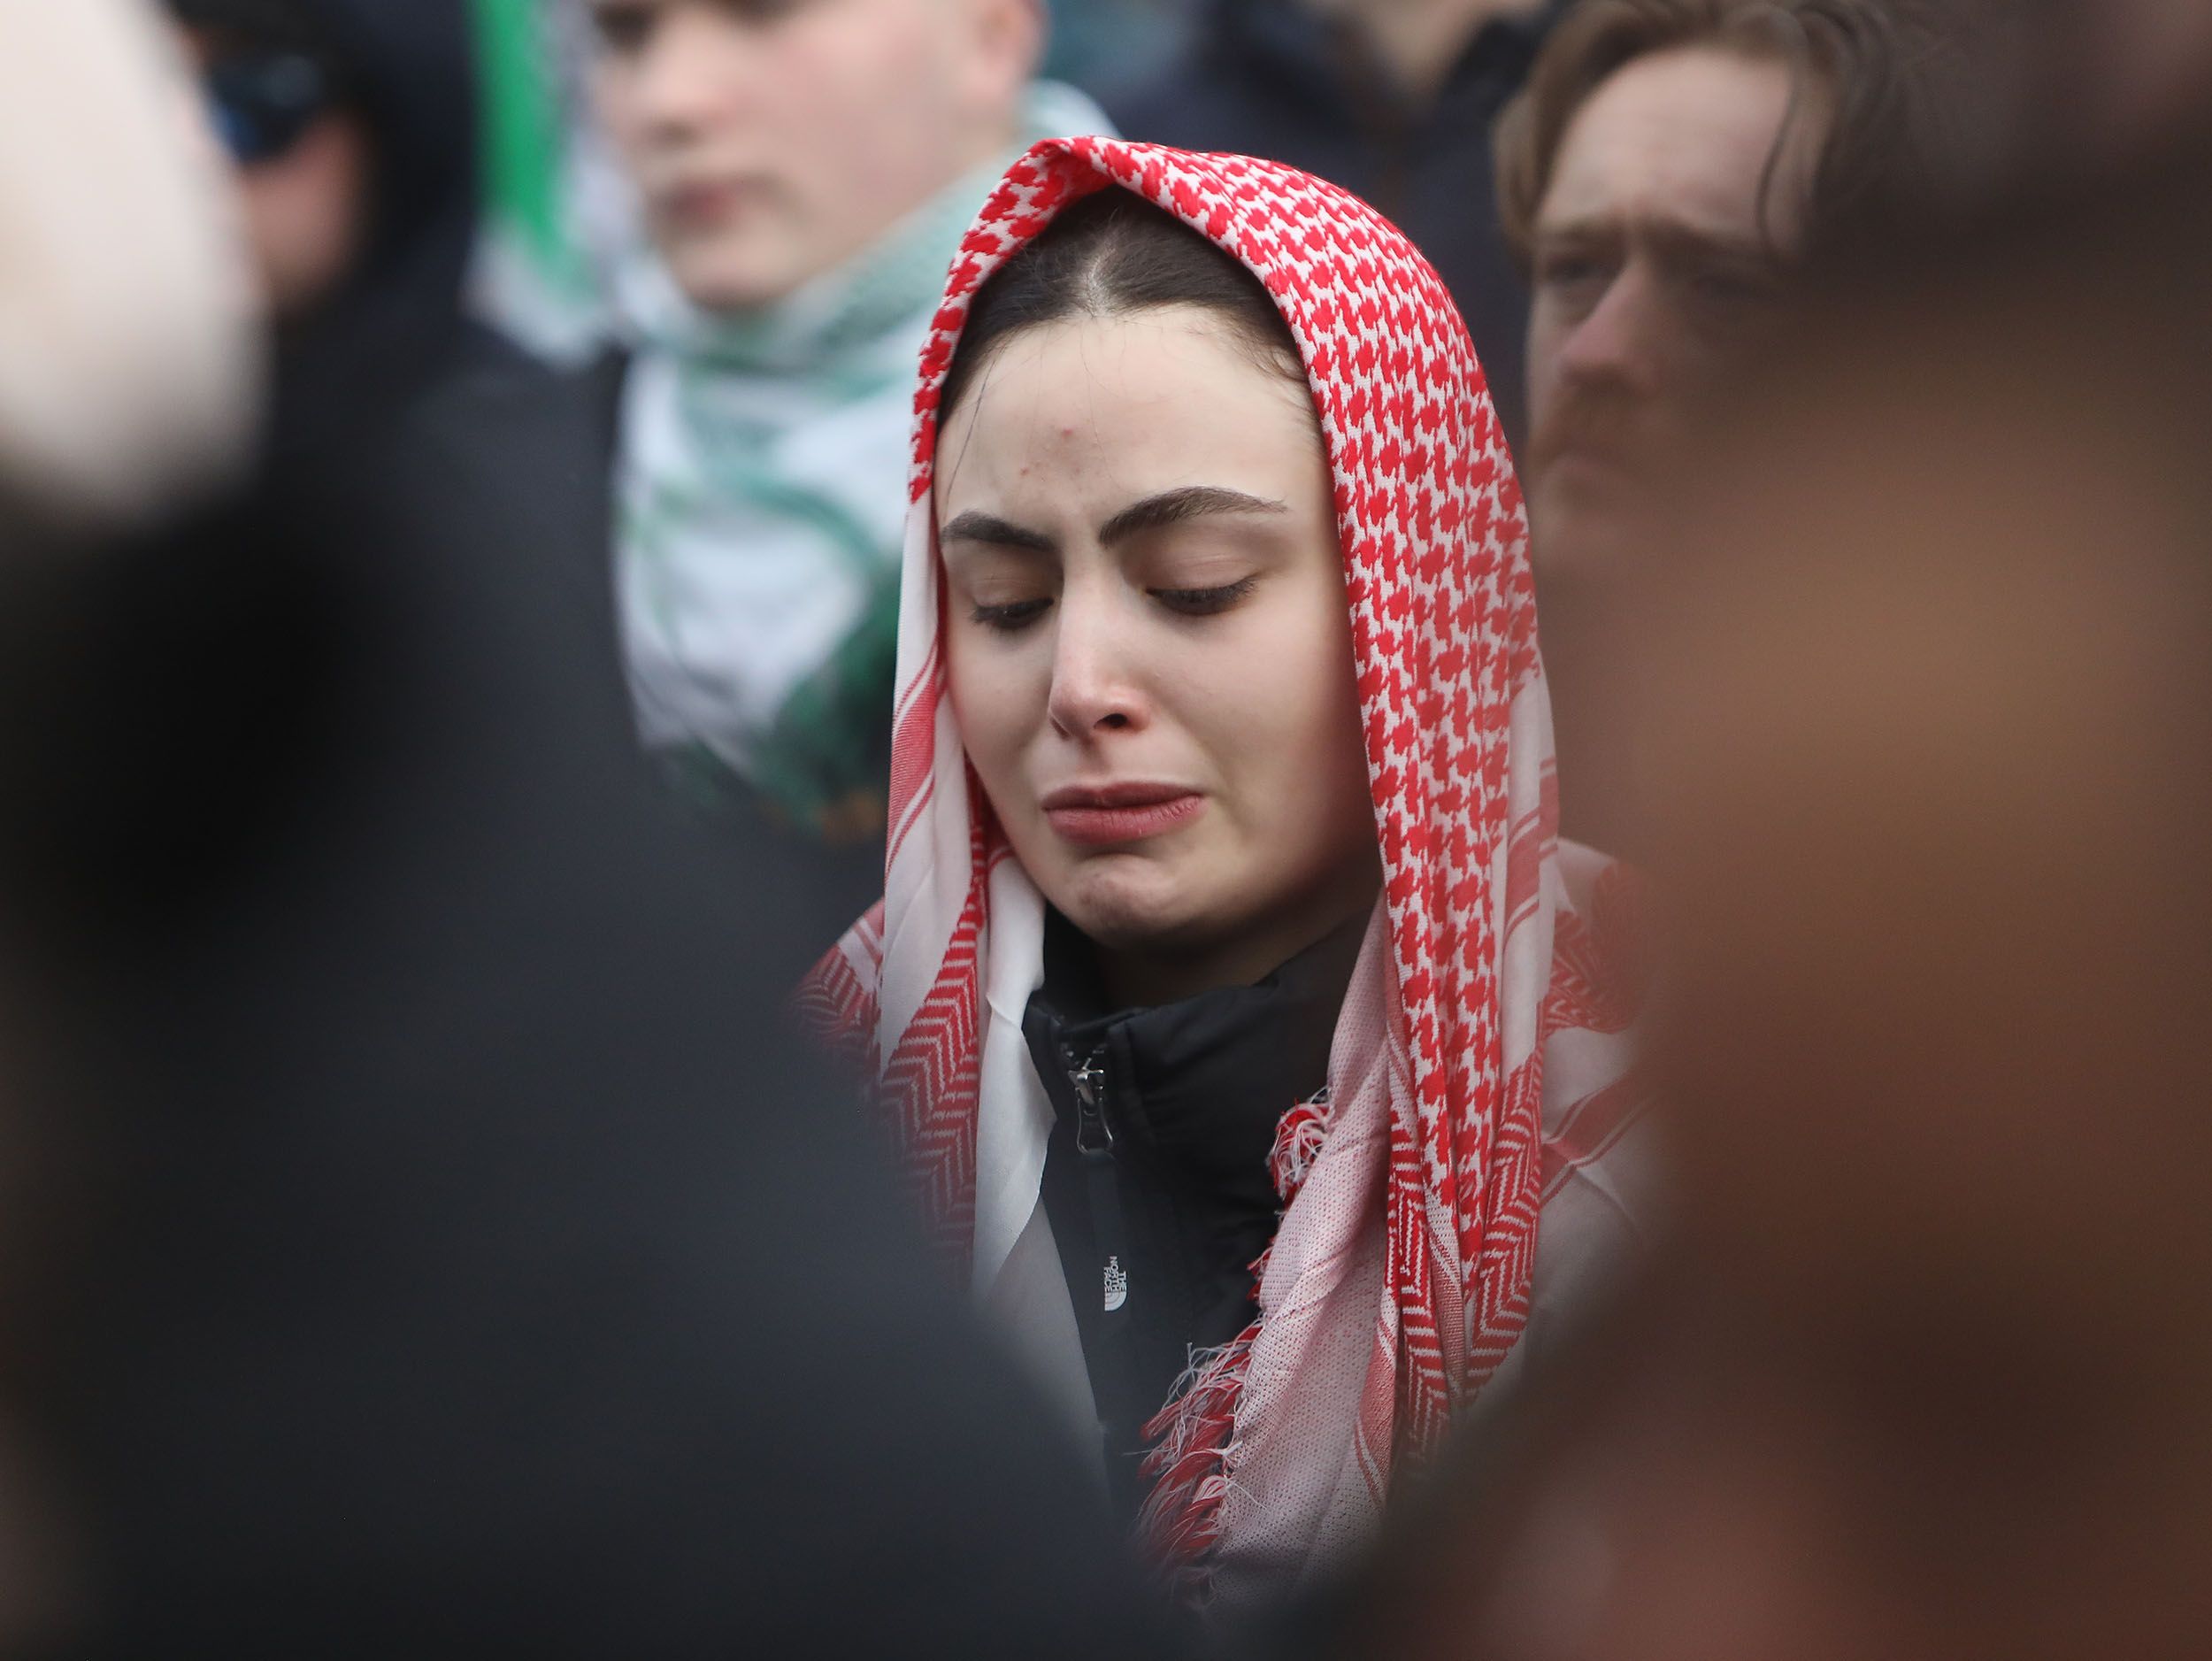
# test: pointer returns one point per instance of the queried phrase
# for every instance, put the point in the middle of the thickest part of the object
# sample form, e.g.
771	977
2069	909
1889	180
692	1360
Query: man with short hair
1670	164
805	171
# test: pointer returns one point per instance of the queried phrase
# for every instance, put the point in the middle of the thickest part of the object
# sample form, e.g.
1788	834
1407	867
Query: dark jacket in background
1273	78
844	879
464	1260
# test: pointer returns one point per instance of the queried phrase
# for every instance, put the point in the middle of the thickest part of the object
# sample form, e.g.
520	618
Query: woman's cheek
1318	721
1296	689
989	703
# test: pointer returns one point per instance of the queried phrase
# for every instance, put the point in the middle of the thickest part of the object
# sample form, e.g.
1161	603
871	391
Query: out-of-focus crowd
458	468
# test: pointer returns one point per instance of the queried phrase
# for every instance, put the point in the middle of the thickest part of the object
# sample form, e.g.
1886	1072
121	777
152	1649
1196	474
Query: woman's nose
1094	690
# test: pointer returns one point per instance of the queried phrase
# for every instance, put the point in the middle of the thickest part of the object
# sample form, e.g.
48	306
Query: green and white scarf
761	502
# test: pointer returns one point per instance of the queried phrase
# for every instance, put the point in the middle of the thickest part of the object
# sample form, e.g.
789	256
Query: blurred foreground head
2119	75
1931	789
772	141
1928	1375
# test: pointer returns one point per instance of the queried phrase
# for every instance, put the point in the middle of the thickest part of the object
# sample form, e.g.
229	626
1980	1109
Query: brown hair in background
1861	57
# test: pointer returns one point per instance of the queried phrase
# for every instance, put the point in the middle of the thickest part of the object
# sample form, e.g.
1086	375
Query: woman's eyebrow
998	533
1172	507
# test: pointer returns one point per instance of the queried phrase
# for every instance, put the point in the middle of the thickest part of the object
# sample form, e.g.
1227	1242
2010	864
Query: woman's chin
1130	902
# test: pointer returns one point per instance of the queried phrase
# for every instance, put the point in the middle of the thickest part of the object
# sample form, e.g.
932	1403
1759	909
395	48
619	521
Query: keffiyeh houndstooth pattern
1413	1246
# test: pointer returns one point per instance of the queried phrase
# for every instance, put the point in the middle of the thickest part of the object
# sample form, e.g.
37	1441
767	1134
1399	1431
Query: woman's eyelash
1205	601
1011	615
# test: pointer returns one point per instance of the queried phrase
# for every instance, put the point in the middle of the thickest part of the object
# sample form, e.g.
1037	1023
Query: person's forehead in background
1678	153
772	141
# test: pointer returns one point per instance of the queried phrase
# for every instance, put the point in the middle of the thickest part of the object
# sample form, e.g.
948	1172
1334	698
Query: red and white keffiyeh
1478	1076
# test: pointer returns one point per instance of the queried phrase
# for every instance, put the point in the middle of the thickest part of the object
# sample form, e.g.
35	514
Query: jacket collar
1201	1083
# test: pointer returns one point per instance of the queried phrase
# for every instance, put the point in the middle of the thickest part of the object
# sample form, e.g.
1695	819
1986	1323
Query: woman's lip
1093	823
1121	793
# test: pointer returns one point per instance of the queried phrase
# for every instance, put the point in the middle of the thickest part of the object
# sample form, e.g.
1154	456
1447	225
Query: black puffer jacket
1156	1176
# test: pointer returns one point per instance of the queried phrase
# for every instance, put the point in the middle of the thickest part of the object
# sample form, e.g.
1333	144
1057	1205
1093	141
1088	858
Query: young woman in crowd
1251	1038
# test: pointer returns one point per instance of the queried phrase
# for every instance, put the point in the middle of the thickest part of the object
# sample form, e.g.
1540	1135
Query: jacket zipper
1088	1074
1093	1137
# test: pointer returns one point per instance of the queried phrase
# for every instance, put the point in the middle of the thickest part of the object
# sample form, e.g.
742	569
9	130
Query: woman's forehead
1164	390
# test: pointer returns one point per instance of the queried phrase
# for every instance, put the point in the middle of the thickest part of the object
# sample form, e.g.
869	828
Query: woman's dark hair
1109	255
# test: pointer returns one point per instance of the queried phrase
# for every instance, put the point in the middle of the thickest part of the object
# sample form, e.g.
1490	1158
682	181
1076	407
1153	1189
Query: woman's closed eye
1205	601
1009	616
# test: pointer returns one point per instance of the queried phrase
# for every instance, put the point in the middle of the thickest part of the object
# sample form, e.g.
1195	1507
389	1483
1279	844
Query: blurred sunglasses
263	103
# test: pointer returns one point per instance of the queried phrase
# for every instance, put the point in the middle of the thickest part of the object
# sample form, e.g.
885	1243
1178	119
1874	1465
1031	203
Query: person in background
1671	166
129	371
1393	99
804	173
348	126
352	129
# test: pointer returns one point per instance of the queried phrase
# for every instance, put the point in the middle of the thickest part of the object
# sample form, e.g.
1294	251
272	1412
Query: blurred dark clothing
470	1261
1276	79
480	1265
1110	42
